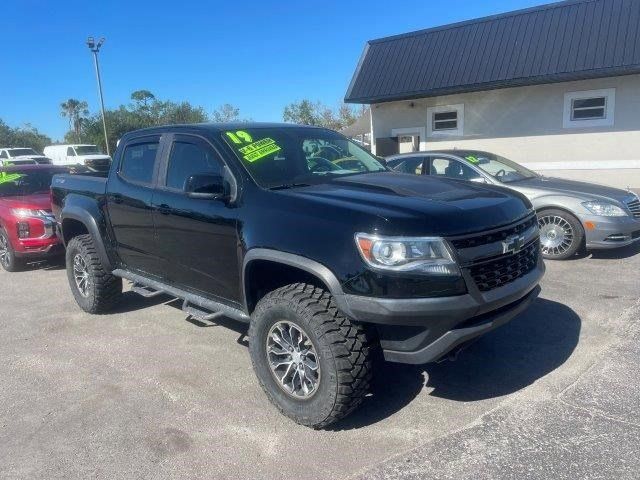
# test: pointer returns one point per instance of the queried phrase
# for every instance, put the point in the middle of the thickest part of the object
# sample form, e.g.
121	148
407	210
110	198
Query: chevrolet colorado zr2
265	224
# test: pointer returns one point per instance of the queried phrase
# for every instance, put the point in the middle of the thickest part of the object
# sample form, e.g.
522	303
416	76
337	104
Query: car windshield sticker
9	177
472	159
250	150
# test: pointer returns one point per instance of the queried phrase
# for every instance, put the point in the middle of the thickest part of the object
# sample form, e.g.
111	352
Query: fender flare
80	214
303	263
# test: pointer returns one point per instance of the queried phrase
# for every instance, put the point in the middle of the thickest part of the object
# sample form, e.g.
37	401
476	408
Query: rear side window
190	159
70	152
3	154
138	161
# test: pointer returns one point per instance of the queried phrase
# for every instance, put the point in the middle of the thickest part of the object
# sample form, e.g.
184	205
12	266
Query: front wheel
95	289
561	234
312	362
8	258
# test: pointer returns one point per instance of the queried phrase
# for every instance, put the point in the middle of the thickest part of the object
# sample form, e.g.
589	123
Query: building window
445	120
588	108
591	108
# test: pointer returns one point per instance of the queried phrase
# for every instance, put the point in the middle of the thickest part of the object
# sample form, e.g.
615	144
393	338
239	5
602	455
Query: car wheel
95	289
561	234
313	363
8	258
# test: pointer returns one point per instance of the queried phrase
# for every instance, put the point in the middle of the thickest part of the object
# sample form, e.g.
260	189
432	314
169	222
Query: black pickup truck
307	237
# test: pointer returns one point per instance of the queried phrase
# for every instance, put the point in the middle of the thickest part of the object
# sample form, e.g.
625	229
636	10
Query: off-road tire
343	348
577	242
11	263
104	289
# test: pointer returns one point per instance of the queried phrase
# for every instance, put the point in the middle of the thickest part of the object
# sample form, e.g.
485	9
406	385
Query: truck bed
64	185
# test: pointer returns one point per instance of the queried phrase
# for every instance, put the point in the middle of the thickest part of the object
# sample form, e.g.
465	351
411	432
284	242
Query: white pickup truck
21	156
89	156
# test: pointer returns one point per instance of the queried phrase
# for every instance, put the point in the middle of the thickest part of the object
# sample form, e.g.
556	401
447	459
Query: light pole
95	48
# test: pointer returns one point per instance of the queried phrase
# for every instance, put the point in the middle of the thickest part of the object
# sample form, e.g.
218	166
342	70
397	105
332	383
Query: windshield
17	184
288	157
500	168
18	152
87	150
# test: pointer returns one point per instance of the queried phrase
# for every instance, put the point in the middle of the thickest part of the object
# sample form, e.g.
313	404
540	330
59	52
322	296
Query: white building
555	87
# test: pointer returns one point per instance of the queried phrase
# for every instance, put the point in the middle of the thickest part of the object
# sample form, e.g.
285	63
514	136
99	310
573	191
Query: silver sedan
572	215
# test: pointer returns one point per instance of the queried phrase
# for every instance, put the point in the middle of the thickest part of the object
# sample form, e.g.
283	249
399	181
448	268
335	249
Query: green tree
26	136
75	111
227	113
307	112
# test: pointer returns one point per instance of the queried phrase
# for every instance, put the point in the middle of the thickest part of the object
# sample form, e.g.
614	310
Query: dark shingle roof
558	42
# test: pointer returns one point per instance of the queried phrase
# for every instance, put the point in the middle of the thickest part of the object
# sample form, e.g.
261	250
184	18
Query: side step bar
195	305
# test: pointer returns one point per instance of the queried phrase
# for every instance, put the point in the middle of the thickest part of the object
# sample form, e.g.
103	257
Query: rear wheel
561	234
313	363
8	258
95	289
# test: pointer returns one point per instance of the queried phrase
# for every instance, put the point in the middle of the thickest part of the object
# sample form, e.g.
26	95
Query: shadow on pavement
502	362
617	253
131	302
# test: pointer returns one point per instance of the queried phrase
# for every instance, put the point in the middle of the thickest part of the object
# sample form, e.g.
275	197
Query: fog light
23	230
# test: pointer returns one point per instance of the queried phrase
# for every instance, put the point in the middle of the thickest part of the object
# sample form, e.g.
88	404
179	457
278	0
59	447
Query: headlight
405	254
26	212
604	209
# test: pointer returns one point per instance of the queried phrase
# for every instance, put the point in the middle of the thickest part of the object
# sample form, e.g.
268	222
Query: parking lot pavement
146	393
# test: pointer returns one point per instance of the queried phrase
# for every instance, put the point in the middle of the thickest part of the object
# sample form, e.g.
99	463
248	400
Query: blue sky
257	55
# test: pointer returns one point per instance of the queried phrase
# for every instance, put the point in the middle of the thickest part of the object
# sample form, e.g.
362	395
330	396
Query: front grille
634	206
496	273
496	236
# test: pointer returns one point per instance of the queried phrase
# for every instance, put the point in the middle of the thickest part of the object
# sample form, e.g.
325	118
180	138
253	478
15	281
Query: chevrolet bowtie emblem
513	244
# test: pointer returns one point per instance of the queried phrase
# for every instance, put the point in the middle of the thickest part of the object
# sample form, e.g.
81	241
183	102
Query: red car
27	226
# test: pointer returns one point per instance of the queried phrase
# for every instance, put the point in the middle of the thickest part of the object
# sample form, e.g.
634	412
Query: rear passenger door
130	190
196	237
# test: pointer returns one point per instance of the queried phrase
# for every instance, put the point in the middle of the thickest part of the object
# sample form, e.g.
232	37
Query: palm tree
76	111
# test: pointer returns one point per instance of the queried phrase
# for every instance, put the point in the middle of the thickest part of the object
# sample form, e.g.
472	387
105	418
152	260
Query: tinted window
410	165
3	154
70	152
138	161
189	159
445	167
293	156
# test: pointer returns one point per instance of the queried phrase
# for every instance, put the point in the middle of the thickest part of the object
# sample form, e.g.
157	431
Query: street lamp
95	48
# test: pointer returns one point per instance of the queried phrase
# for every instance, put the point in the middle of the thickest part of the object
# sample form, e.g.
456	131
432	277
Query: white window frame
420	131
453	132
609	115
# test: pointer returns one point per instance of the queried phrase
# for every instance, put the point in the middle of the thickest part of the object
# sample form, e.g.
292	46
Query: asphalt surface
146	393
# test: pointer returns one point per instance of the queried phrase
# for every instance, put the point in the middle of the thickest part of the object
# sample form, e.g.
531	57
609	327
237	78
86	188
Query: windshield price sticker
9	177
254	150
472	159
259	149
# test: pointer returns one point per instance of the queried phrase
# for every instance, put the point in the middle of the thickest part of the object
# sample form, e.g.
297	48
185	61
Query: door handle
164	209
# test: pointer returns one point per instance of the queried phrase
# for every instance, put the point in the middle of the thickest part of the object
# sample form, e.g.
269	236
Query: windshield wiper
286	186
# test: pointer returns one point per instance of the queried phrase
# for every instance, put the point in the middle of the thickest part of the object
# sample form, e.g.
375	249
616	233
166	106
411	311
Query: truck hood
408	204
37	201
571	187
27	157
95	157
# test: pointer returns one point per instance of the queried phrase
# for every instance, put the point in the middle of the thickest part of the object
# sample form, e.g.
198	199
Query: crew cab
27	225
325	263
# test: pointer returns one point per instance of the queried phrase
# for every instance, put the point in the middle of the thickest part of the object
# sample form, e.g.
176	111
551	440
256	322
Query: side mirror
205	185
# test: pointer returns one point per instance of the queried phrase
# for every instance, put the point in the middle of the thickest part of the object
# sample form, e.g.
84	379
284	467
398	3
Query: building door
408	143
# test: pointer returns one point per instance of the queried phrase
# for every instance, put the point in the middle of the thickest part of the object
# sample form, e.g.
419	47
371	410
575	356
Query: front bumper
422	330
610	232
